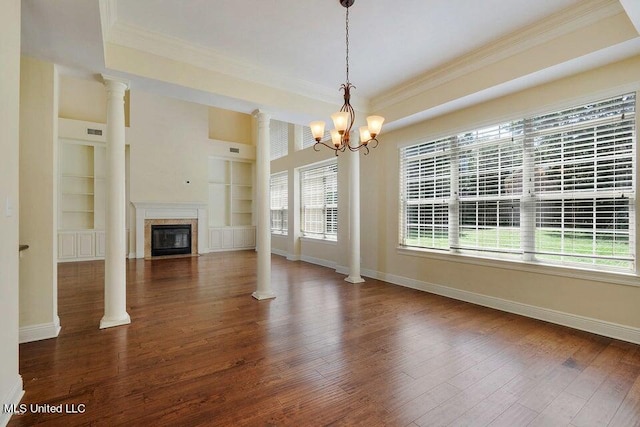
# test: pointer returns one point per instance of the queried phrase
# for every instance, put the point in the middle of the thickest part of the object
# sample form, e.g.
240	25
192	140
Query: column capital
261	114
114	83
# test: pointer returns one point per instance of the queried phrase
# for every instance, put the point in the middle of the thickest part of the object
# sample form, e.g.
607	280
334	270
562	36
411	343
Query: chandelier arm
363	146
318	143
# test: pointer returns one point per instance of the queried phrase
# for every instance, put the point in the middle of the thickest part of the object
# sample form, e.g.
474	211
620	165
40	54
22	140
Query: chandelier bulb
374	124
317	130
336	138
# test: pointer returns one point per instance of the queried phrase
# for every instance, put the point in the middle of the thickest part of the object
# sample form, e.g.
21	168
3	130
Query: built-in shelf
231	204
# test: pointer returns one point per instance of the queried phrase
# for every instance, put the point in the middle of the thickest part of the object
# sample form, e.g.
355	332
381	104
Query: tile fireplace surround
153	213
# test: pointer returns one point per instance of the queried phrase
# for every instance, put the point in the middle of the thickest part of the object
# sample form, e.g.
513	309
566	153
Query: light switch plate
8	210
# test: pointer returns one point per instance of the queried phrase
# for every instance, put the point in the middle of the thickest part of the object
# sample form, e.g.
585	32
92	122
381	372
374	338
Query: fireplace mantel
163	210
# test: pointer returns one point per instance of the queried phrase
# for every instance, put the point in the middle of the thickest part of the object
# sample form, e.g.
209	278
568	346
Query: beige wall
228	125
608	302
169	140
10	381
38	193
86	100
82	100
534	288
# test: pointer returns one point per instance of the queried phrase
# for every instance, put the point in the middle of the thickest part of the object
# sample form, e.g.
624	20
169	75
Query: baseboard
13	397
291	257
132	255
318	261
250	248
342	269
588	324
43	331
279	252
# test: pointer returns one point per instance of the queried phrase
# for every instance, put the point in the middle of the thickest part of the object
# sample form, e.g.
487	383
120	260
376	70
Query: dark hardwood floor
201	351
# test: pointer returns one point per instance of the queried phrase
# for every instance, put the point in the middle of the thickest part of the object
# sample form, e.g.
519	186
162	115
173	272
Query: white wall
38	200
10	381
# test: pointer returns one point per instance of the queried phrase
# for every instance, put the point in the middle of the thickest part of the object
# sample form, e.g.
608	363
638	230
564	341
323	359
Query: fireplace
159	213
170	239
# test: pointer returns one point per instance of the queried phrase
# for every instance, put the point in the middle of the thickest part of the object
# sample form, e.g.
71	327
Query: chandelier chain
347	40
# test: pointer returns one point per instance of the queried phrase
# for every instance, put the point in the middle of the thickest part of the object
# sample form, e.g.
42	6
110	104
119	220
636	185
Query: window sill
273	234
619	278
331	242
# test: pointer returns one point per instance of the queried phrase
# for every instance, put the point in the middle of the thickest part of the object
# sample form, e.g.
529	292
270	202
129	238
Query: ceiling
396	48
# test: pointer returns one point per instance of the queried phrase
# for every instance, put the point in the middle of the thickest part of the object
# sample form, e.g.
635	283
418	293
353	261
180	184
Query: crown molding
632	7
135	37
108	18
564	22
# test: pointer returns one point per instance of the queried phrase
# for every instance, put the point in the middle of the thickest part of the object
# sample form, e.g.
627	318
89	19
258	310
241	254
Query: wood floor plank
201	351
605	402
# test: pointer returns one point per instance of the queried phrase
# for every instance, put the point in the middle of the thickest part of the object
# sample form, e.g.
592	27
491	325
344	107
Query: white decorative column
354	218
115	275
263	208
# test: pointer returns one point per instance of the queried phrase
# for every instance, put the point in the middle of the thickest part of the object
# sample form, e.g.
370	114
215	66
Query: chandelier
343	119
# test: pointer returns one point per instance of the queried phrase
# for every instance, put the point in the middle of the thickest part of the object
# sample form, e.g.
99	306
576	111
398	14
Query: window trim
283	231
317	237
537	267
615	275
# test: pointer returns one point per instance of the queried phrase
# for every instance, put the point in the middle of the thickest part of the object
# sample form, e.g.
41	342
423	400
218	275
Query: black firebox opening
170	239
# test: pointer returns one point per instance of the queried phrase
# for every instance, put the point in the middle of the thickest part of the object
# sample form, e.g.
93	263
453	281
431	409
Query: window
319	201
554	188
279	203
279	138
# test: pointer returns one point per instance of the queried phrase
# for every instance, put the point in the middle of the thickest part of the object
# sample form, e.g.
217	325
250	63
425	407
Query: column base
110	323
354	279
260	296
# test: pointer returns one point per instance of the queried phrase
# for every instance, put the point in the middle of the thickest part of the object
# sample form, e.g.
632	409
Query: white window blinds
490	184
279	203
558	187
319	201
584	187
279	138
426	176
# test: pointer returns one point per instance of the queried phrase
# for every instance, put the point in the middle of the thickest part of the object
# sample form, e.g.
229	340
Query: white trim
524	113
332	242
244	248
42	331
342	269
627	279
108	17
292	257
318	261
567	21
135	37
167	210
588	324
13	397
632	8
280	252
111	323
63	260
